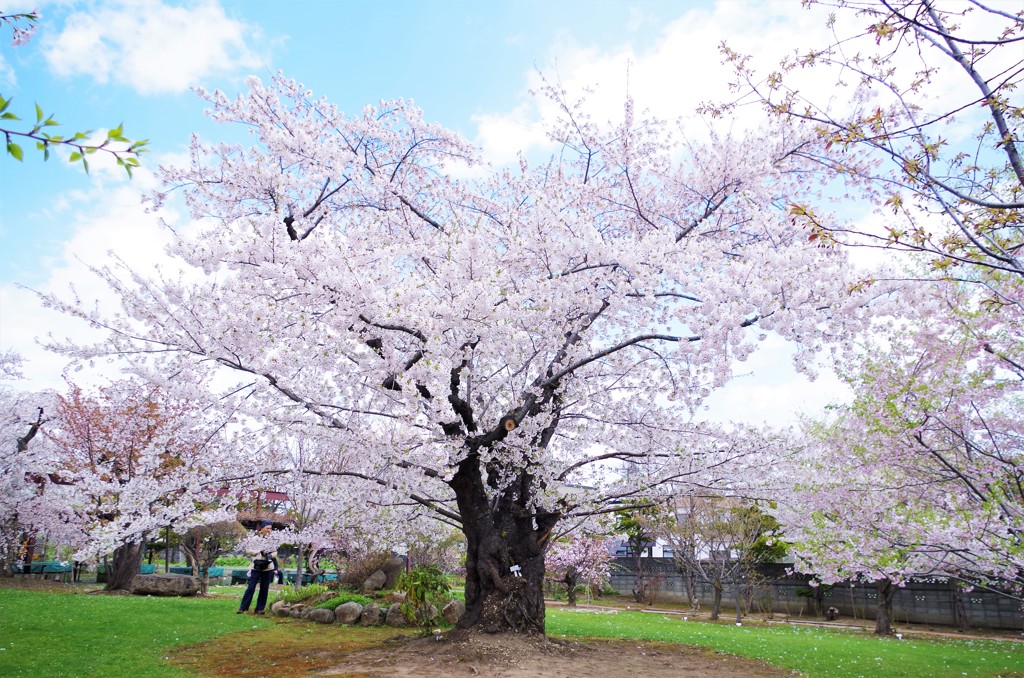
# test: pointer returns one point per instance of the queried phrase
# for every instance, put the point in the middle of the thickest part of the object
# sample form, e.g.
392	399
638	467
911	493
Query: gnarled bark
505	541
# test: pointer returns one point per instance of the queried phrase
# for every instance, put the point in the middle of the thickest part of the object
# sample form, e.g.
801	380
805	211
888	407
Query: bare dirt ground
506	656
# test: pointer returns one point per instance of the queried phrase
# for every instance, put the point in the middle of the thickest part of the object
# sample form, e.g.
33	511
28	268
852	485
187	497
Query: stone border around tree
354	614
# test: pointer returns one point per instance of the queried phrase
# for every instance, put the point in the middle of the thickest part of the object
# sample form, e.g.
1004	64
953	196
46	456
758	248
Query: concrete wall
928	602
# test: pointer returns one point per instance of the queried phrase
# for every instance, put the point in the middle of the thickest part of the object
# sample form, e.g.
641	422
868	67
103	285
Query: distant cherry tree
581	559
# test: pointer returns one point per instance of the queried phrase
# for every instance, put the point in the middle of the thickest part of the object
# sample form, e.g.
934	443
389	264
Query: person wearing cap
264	566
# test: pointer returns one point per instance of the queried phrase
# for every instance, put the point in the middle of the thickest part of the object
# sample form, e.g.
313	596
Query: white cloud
7	77
671	77
502	136
151	46
769	389
118	225
682	69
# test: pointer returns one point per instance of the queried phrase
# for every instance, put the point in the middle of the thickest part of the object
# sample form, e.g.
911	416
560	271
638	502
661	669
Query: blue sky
469	65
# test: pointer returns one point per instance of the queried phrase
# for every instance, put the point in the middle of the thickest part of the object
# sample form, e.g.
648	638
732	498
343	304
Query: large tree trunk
10	544
125	565
167	551
505	538
739	600
299	557
883	616
716	604
959	610
570	587
640	580
690	579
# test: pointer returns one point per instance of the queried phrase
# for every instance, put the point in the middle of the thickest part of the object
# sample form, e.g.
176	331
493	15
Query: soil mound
521	656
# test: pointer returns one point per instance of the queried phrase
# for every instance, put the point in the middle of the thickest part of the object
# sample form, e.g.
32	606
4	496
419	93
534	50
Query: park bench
306	578
45	569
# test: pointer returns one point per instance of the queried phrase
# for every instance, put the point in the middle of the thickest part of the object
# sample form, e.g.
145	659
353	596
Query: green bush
422	585
333	603
290	595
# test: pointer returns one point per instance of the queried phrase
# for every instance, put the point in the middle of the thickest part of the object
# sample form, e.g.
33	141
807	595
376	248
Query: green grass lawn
816	653
74	635
54	635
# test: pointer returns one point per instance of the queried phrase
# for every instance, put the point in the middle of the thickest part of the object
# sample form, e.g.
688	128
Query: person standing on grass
264	566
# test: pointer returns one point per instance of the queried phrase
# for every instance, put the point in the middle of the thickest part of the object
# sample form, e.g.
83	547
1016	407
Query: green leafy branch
125	151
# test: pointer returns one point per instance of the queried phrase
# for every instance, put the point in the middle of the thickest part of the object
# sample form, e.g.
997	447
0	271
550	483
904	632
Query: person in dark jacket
264	567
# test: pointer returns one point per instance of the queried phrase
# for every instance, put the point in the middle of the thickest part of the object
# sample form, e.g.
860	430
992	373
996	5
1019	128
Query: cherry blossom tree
436	544
125	462
716	538
929	134
203	544
853	521
929	129
581	559
922	474
485	341
637	523
22	417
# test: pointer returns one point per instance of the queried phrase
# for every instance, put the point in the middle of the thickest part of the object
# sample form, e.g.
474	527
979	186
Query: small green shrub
333	603
422	585
290	595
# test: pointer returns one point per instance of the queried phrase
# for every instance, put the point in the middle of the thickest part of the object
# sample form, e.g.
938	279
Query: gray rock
164	585
395	617
280	608
453	611
321	615
295	612
393	569
371	615
375	582
348	613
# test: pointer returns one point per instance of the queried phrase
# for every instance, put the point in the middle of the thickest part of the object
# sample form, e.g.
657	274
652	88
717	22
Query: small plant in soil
423	585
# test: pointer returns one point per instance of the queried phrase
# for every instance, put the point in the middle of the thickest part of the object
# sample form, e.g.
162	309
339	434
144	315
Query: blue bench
307	578
46	567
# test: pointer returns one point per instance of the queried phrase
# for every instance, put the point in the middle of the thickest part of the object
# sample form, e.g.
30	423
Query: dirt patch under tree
368	653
